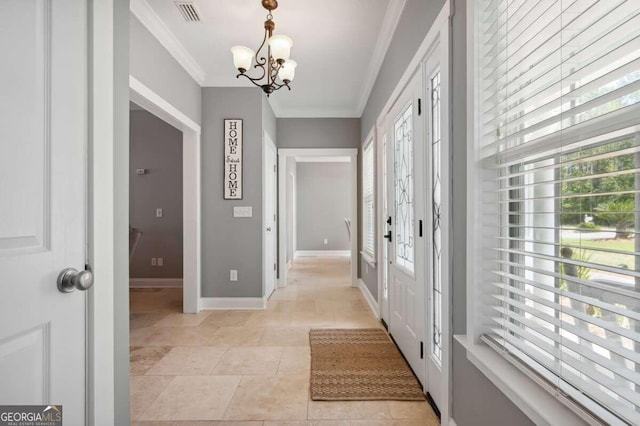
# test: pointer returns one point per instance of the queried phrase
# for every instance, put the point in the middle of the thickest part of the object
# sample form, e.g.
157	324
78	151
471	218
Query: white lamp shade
280	47
288	70
242	57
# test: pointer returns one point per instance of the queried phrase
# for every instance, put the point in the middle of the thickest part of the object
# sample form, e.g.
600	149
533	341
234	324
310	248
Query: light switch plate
158	212
242	211
233	275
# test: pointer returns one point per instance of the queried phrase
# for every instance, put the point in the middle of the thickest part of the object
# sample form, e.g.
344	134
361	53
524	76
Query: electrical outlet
160	261
154	261
233	275
326	241
158	212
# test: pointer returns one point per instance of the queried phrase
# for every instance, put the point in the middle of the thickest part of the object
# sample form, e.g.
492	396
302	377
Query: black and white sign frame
233	170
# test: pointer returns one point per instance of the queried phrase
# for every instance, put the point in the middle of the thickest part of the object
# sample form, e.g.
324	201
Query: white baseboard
155	282
452	422
323	253
223	303
370	300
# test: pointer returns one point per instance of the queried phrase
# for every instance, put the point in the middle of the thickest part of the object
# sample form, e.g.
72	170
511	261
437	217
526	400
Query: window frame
539	401
369	253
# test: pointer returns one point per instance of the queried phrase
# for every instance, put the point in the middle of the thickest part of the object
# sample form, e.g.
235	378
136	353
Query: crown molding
315	112
152	22
387	30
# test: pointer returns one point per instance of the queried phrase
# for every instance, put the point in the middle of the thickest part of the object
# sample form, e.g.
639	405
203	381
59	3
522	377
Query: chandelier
277	70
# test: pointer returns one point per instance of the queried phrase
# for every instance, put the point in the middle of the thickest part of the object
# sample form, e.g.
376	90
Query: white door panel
270	218
43	134
406	253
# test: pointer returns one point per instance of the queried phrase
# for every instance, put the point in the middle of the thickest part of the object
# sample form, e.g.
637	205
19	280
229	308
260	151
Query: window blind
368	198
559	153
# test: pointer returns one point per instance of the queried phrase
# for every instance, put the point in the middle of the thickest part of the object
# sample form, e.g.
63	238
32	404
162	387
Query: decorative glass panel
385	209
436	191
403	182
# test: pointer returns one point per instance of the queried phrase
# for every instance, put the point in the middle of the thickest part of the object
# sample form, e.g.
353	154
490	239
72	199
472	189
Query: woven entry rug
359	364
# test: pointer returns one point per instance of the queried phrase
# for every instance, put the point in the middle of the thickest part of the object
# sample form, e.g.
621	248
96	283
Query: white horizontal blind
368	198
559	131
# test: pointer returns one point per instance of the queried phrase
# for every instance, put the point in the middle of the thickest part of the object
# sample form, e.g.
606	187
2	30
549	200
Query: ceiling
339	46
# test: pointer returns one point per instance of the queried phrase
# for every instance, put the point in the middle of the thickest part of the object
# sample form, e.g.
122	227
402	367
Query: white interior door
406	252
43	136
270	218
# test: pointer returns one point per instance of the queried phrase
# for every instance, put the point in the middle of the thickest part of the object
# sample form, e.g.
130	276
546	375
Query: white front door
270	218
43	157
407	302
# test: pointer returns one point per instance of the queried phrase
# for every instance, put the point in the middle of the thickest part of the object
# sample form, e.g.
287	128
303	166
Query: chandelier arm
252	80
280	86
261	61
264	40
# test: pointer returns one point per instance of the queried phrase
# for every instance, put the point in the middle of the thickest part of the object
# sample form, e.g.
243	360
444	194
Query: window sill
535	402
367	258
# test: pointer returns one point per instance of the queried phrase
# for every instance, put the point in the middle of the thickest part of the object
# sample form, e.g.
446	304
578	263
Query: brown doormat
359	364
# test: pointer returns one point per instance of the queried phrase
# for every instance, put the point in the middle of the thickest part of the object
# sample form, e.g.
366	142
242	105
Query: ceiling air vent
188	11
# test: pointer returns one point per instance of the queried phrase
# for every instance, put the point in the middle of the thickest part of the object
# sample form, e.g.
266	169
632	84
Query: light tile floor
250	367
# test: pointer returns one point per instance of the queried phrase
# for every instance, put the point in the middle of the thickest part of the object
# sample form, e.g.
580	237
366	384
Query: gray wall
323	201
228	242
318	133
416	19
476	401
292	171
152	65
157	147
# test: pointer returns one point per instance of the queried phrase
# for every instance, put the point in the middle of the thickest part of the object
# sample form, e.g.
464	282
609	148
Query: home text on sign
233	159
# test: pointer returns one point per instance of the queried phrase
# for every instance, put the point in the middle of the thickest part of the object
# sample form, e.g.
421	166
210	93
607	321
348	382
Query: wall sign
233	159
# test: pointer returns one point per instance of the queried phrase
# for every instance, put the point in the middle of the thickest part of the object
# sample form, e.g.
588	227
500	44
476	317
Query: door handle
387	236
268	229
71	279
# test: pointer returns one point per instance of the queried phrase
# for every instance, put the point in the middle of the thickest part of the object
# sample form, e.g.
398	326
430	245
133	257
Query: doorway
191	196
290	206
155	213
414	133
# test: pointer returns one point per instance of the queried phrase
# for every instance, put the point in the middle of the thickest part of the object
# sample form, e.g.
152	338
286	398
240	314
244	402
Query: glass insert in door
404	196
436	196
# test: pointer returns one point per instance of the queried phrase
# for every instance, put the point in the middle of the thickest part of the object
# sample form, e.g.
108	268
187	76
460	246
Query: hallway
250	367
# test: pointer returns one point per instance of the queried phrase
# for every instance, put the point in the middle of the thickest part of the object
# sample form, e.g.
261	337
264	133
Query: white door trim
191	192
100	381
439	31
283	156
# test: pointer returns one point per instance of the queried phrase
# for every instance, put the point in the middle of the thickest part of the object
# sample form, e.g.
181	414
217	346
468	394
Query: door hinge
275	168
420	227
275	267
419	106
421	350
